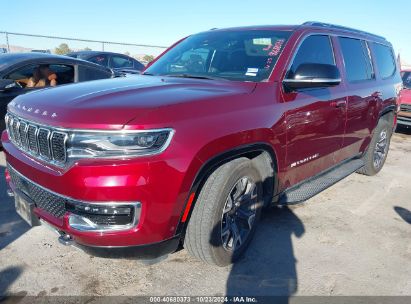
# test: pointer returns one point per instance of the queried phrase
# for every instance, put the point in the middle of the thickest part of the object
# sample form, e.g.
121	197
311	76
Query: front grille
32	139
405	107
45	143
43	199
58	143
23	134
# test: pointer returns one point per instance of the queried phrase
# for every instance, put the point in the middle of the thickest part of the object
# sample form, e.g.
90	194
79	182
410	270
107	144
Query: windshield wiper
148	74
191	76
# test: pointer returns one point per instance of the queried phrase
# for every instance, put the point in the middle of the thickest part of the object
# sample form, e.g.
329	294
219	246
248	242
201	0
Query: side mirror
9	85
313	75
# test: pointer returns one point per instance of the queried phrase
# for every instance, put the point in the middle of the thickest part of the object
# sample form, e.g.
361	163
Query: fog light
103	216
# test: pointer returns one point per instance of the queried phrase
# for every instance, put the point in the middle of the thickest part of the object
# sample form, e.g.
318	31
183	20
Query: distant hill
16	48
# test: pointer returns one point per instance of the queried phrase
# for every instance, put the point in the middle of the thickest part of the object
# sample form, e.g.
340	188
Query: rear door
315	118
363	94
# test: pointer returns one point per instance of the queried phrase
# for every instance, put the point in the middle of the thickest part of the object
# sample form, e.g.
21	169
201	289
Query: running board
307	189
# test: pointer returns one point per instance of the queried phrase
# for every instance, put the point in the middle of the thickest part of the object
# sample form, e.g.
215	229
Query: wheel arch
264	159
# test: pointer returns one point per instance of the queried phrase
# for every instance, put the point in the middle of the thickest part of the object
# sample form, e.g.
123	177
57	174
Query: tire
382	134
204	238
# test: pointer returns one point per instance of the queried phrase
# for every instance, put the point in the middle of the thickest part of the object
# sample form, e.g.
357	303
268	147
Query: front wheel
225	214
376	154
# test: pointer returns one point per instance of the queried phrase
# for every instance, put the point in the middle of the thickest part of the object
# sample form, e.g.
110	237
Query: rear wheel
377	151
226	213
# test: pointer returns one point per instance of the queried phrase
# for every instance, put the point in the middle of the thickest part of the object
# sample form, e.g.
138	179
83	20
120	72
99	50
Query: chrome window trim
314	80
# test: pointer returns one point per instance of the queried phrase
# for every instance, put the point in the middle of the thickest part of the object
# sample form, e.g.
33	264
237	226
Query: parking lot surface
352	239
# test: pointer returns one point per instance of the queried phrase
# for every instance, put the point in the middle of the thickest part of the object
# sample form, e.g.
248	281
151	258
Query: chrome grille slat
23	134
32	139
405	107
40	141
58	143
43	139
15	128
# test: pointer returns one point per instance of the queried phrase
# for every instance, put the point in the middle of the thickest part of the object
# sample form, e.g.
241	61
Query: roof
94	53
10	59
259	27
311	25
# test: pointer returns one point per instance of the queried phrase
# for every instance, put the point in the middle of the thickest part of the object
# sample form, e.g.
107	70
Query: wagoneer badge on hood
32	110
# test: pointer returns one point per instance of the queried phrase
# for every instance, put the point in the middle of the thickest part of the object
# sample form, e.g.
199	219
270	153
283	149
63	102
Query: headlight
87	144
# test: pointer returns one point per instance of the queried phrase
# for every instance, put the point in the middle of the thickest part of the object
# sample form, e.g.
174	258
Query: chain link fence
12	42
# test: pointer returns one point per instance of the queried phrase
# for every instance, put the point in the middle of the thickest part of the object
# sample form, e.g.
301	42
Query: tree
148	58
62	49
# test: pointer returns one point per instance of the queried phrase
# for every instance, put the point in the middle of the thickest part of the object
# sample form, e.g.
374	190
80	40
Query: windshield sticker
273	50
251	72
262	41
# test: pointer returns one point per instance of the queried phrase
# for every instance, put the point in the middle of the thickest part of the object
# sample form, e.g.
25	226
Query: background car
16	70
41	51
404	116
117	62
3	50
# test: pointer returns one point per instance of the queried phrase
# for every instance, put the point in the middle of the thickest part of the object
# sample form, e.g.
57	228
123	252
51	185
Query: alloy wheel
381	148
238	214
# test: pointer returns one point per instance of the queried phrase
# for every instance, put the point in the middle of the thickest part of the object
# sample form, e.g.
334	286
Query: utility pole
7	42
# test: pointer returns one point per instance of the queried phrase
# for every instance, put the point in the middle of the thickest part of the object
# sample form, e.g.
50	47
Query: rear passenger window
314	49
357	60
384	59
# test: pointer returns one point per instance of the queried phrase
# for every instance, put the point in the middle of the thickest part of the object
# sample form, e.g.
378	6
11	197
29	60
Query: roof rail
340	27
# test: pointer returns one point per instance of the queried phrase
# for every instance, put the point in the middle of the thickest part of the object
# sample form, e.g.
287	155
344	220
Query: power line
82	40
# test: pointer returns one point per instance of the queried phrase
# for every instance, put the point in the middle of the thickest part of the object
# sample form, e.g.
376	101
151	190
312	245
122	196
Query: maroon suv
223	123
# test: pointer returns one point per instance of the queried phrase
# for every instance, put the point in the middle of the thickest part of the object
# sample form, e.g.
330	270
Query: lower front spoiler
148	251
143	252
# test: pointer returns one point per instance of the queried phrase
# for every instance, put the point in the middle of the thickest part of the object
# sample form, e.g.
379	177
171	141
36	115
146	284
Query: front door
315	119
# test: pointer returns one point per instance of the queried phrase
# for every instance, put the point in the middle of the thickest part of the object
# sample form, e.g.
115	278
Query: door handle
339	103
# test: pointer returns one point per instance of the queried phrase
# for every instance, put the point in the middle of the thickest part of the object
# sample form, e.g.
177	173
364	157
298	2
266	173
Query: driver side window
42	75
22	75
314	49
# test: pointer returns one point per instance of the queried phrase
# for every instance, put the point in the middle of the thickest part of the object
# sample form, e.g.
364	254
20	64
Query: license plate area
25	208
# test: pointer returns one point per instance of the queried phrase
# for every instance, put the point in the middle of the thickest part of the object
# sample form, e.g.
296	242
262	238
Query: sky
163	22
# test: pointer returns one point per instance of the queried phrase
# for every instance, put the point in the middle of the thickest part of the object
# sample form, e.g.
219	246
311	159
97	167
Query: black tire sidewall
221	255
382	125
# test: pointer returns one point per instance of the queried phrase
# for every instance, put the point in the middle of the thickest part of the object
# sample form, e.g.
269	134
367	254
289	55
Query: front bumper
404	120
154	183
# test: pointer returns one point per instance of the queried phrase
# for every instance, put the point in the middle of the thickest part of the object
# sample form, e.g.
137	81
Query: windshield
232	55
406	79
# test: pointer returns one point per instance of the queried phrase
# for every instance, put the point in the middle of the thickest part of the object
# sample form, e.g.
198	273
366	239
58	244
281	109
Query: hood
111	103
